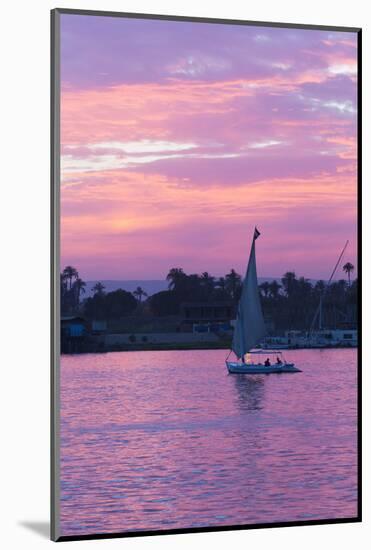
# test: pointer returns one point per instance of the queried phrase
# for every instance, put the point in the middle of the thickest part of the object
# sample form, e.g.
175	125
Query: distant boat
249	330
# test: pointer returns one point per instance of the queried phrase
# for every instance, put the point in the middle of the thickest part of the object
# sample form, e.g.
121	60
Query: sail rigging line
337	264
319	308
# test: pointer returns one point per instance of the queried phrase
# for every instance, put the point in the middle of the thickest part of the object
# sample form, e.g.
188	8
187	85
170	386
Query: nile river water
169	440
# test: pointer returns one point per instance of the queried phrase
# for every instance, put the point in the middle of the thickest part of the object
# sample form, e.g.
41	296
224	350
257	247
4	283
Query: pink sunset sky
177	138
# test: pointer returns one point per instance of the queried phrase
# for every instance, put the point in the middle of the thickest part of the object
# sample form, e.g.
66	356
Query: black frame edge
196	19
192	530
359	268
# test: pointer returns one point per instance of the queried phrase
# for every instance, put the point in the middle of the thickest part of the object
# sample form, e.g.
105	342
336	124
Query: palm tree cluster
72	287
102	304
204	286
290	303
294	303
195	288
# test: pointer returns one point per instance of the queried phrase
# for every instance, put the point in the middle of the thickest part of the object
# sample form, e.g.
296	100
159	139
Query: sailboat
250	329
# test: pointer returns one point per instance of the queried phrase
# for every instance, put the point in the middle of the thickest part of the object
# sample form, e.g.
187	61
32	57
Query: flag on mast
256	234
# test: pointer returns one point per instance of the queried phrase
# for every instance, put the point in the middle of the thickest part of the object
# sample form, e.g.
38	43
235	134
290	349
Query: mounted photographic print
205	371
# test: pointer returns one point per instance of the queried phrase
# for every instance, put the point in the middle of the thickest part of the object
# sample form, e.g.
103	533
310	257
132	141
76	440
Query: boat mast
319	309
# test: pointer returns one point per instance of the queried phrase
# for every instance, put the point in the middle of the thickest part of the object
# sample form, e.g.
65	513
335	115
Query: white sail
250	327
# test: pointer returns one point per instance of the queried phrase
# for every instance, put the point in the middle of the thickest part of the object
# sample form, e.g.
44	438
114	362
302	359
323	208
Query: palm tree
139	293
320	286
304	286
233	281
289	282
265	288
175	277
70	273
64	293
274	289
79	285
98	288
348	268
207	281
63	283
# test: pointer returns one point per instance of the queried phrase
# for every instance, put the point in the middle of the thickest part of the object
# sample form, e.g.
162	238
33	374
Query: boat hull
255	368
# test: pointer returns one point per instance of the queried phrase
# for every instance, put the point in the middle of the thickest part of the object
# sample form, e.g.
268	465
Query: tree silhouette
265	288
79	286
64	286
274	289
70	273
233	282
290	306
165	302
320	286
348	268
70	291
139	293
207	281
112	305
176	277
98	288
289	283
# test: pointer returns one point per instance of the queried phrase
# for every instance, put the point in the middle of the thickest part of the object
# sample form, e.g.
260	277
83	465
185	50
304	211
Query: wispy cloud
342	106
142	146
343	68
264	144
170	153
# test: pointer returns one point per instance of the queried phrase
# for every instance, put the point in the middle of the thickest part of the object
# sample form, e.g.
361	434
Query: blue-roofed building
73	331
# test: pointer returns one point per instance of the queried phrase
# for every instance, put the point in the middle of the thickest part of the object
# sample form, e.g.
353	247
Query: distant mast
318	312
250	326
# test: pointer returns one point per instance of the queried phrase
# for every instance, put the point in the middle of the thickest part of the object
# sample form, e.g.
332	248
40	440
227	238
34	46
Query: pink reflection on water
161	440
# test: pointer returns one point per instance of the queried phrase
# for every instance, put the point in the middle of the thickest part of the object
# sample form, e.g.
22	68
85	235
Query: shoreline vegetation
198	311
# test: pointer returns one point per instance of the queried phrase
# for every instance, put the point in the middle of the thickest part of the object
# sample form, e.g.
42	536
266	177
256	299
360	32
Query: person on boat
278	360
267	363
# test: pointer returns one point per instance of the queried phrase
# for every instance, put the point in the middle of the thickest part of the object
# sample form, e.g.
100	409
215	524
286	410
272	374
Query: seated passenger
267	362
278	361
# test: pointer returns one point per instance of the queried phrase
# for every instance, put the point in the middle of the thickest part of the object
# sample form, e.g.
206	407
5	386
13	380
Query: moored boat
256	366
